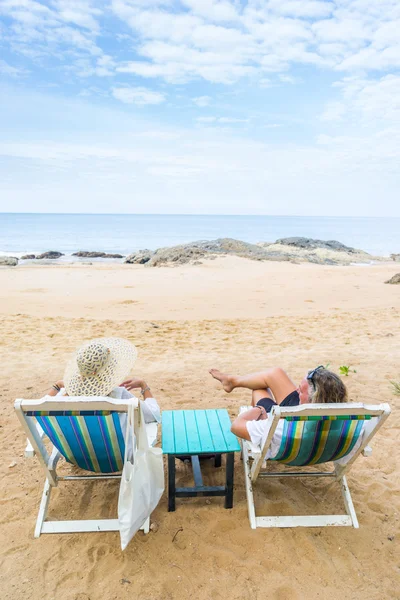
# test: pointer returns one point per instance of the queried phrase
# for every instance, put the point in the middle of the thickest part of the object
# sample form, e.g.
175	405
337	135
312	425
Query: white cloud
65	28
102	66
232	120
222	120
111	47
302	8
202	101
140	96
132	161
260	36
7	69
289	79
334	111
213	10
220	41
368	102
206	119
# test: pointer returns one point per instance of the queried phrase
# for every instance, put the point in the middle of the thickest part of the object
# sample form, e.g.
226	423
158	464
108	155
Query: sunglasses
311	374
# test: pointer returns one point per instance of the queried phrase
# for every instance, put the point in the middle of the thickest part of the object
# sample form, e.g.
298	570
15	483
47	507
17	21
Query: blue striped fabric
313	442
94	443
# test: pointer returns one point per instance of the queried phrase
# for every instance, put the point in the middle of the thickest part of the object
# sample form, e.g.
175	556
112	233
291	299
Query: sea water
23	233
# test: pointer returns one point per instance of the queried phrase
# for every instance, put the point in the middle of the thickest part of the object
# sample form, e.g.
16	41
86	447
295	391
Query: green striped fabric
92	441
307	441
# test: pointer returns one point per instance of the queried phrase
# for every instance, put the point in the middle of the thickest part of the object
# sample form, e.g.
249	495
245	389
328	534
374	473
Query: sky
280	107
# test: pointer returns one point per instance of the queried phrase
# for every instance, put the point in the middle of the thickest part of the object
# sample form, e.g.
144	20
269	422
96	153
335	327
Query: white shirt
258	432
151	410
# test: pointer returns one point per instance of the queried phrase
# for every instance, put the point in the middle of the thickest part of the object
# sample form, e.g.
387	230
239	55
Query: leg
44	504
276	379
230	461
146	526
217	460
171	483
348	502
259	395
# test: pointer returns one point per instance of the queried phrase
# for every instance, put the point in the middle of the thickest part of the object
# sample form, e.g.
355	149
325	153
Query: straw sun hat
99	366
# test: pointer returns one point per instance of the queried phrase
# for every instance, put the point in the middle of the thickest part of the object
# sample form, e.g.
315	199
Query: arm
151	410
239	428
53	391
131	384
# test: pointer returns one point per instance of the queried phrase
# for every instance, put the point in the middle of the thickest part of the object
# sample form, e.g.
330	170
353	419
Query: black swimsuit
293	399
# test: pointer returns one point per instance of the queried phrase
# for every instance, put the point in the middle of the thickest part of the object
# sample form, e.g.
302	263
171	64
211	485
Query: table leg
217	460
230	461
171	483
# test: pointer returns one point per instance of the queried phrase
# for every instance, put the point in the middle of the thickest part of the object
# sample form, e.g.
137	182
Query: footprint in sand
129	302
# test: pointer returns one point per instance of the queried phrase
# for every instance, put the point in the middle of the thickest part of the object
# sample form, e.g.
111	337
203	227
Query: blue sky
200	106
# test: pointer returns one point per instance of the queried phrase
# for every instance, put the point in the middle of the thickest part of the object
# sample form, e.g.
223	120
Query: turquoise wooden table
195	433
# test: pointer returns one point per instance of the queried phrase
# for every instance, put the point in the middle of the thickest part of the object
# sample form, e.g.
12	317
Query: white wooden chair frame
254	461
49	462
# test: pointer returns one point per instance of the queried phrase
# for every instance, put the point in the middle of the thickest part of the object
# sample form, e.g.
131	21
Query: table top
197	432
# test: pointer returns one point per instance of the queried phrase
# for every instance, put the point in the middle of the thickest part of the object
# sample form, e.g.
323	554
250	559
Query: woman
273	387
100	368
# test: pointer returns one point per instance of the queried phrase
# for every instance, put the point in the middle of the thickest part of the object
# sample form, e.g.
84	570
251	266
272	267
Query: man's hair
326	387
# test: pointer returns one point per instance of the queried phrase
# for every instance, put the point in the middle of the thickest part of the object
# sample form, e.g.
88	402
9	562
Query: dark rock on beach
28	257
395	257
8	261
87	254
395	279
193	252
295	250
320	252
139	258
309	243
177	255
52	254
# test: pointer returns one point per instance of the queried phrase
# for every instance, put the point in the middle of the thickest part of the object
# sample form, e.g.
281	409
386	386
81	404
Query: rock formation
139	258
395	279
8	261
87	254
309	243
52	254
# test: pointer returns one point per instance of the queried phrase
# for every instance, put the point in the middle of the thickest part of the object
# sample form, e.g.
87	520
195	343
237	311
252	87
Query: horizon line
206	215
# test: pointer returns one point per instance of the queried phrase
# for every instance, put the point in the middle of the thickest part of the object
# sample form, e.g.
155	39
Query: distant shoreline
23	233
291	249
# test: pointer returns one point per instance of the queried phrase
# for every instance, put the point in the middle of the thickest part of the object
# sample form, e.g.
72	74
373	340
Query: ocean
23	233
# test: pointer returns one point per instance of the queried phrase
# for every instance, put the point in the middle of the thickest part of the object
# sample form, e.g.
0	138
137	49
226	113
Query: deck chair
313	434
87	433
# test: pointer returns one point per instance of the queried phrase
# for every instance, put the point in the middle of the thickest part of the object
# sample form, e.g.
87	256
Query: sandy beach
237	315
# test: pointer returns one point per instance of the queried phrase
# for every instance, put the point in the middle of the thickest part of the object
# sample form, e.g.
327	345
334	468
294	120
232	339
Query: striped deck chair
87	433
313	434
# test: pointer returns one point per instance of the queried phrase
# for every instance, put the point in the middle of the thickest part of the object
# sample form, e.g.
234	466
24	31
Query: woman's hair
326	386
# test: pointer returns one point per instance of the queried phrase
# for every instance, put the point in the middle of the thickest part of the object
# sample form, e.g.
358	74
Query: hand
131	384
263	412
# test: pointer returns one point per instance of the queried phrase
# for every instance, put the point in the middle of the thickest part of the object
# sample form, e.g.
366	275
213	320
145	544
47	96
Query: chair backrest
318	439
86	431
319	433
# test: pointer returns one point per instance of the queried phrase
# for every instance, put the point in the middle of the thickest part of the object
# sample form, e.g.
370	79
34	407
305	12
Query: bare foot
226	380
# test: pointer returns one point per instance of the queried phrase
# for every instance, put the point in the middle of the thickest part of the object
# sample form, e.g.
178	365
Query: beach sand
239	316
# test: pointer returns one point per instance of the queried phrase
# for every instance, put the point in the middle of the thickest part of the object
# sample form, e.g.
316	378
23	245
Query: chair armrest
367	451
29	450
